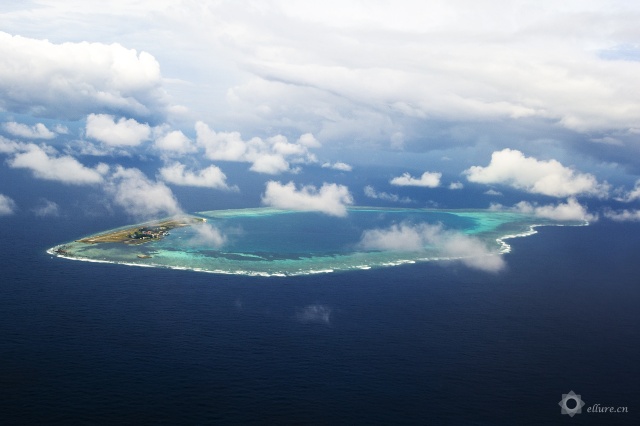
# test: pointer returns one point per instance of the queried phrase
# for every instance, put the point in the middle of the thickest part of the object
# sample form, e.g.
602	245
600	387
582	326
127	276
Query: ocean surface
423	343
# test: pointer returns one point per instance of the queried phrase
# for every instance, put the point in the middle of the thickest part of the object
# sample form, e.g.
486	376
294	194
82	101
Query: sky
138	100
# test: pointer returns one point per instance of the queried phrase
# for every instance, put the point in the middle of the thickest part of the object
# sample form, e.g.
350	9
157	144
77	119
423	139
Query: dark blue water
429	343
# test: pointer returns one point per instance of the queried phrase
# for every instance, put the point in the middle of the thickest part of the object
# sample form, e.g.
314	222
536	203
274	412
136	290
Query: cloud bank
330	198
35	75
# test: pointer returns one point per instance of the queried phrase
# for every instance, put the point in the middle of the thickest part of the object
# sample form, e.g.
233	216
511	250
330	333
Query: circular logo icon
564	407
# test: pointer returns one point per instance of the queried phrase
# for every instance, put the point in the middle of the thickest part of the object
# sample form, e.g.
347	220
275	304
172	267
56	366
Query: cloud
623	216
8	146
456	185
632	195
210	177
60	129
37	131
298	67
208	235
571	210
309	141
47	209
370	192
408	237
65	169
473	253
403	237
7	205
70	80
124	132
493	192
331	199
427	180
176	142
227	146
511	167
139	196
338	165
469	62
320	314
270	156
271	164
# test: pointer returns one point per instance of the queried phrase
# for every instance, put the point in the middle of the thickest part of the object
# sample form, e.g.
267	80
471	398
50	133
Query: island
278	242
143	233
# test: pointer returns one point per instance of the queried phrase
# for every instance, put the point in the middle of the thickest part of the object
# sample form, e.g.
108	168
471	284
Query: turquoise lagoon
274	242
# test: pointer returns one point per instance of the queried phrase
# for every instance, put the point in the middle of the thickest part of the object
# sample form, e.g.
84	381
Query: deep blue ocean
85	343
426	344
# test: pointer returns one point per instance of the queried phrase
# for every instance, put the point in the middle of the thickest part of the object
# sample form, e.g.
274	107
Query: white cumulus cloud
47	208
124	132
402	237
273	155
427	180
65	169
37	131
370	192
338	165
209	177
175	141
70	80
140	196
416	237
271	164
8	146
456	185
7	205
309	141
632	195
511	167
330	198
209	235
569	211
623	215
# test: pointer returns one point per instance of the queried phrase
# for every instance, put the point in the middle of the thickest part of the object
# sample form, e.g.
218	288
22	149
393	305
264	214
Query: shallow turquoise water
267	241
